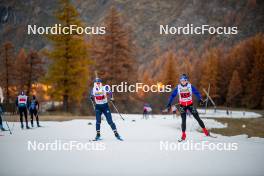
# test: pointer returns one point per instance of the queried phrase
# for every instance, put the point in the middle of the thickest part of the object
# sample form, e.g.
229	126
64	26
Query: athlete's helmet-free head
33	97
184	77
22	93
98	82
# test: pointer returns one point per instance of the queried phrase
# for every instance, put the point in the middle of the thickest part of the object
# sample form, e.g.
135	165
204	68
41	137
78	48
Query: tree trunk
7	75
30	76
65	103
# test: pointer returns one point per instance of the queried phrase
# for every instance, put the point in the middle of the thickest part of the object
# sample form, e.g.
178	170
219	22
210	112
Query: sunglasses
183	80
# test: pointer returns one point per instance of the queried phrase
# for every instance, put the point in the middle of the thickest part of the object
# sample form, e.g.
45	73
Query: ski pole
8	128
37	113
7	125
117	110
206	103
166	110
92	104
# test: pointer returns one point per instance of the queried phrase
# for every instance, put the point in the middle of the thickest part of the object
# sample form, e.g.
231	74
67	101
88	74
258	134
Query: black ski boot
118	136
98	136
3	129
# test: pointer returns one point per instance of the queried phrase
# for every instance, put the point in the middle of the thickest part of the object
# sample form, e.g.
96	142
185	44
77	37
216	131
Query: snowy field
141	153
232	114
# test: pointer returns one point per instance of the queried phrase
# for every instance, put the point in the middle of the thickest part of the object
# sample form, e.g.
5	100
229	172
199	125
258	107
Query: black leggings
1	112
194	112
34	112
23	111
1	121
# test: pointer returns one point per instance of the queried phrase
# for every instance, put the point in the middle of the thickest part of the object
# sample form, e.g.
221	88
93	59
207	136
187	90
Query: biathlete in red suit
185	91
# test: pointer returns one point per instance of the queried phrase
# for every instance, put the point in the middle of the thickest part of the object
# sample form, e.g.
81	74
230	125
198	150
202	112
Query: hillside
144	17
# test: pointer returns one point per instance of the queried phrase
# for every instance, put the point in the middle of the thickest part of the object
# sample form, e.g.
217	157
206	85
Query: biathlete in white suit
22	104
185	91
1	109
99	95
147	110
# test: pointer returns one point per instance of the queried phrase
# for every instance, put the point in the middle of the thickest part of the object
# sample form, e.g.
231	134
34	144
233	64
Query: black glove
201	102
112	99
92	98
168	108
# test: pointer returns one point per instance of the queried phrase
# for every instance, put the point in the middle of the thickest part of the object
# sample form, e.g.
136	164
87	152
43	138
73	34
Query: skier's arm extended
173	95
196	93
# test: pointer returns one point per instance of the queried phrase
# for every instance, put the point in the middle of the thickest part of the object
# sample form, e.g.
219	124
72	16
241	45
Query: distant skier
22	103
33	109
99	95
1	121
185	91
1	109
147	110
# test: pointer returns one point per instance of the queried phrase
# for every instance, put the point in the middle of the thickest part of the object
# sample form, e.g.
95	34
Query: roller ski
181	140
183	137
208	134
97	137
3	129
211	136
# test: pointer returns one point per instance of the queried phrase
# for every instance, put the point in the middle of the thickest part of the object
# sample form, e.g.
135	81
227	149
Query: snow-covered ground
139	154
210	113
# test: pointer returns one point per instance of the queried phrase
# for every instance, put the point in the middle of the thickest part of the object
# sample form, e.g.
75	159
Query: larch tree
115	51
254	90
35	70
68	72
227	67
28	69
21	70
210	72
7	69
170	75
187	67
234	90
114	55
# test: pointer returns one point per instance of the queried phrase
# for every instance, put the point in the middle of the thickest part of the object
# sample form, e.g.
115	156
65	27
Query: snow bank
232	114
210	113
